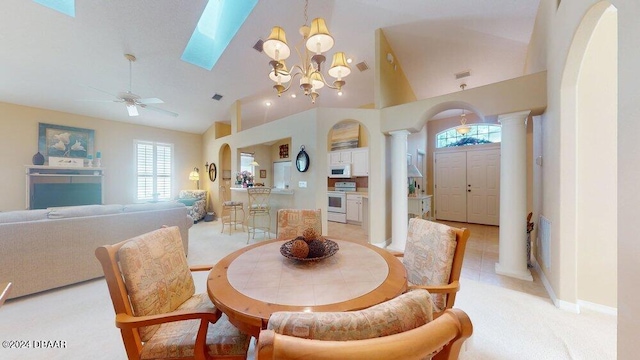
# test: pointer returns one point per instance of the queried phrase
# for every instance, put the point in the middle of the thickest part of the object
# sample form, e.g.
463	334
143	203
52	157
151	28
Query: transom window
154	170
478	134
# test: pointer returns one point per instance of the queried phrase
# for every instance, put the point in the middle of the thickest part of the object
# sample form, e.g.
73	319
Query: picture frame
60	141
263	174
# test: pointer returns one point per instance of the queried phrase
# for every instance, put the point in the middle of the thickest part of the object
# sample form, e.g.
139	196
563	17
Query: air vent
463	74
216	96
362	66
258	45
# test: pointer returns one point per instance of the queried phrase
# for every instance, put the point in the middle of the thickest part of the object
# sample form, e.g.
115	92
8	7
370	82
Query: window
154	170
246	162
478	134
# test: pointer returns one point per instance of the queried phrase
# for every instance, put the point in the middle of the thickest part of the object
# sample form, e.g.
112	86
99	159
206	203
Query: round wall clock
302	160
213	172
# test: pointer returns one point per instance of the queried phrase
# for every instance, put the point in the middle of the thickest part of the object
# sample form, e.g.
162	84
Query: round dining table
250	284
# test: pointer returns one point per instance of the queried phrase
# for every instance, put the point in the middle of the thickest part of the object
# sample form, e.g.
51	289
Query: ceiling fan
133	101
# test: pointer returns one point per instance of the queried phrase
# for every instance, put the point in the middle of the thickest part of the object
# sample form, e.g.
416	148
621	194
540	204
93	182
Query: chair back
5	289
433	256
369	334
292	222
140	282
259	199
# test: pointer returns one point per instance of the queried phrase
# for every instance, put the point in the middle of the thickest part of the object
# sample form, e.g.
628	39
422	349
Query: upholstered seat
195	201
433	259
157	310
292	222
384	331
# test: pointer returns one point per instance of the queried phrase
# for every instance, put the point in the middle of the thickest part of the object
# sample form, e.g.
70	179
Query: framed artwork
263	174
64	141
284	151
345	135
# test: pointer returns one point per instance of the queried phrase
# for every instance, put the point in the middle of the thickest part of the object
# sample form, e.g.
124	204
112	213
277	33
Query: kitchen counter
273	191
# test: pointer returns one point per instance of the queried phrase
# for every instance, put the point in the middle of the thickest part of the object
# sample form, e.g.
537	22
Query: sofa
195	201
50	248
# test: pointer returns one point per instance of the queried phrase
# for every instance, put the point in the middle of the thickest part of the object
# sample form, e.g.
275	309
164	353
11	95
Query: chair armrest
438	289
396	253
201	267
124	321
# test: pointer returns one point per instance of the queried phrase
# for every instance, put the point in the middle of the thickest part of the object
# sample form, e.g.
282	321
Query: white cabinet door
360	162
354	208
340	157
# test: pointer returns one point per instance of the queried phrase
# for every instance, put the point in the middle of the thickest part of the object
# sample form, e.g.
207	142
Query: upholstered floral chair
401	328
157	311
292	222
195	201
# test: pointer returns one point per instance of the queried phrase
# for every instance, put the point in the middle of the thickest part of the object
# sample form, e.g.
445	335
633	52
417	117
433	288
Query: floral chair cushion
175	340
405	312
156	274
428	255
292	222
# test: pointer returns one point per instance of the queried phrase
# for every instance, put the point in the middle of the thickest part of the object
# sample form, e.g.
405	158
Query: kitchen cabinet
340	157
354	208
358	158
360	162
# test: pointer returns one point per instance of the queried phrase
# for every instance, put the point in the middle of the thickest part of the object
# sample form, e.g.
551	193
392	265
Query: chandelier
463	128
317	40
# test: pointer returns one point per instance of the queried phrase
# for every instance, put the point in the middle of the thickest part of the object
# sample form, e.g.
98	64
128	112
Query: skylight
218	24
67	7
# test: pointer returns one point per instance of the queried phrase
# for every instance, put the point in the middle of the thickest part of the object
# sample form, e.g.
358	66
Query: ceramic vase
38	159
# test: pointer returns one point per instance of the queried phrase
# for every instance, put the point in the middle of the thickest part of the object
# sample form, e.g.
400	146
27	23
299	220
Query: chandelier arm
325	82
293	76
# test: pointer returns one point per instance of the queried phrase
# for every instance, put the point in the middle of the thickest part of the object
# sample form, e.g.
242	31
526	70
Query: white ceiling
50	60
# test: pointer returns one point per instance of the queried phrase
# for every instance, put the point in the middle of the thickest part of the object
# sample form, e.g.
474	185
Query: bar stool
230	211
258	208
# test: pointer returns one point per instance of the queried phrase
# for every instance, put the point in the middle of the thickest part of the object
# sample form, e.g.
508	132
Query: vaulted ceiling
54	61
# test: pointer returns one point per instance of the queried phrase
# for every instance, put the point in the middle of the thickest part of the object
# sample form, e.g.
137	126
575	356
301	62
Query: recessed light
349	60
339	93
268	103
293	96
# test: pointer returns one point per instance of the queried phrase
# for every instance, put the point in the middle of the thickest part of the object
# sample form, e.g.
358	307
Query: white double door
467	186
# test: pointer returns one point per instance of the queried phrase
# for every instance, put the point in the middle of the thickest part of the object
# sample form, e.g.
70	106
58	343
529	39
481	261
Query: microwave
340	171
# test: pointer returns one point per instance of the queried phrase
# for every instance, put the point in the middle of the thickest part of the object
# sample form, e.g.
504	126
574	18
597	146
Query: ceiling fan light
276	45
320	40
132	109
339	67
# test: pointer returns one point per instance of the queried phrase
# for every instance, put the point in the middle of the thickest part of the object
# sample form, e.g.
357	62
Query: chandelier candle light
317	40
463	128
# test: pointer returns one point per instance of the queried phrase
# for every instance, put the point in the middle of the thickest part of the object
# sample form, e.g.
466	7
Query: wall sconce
195	176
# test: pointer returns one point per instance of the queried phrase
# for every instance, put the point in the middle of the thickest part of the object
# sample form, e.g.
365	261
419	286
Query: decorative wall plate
213	172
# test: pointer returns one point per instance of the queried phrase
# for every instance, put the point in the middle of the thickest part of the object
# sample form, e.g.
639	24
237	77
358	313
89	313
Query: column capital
399	133
519	115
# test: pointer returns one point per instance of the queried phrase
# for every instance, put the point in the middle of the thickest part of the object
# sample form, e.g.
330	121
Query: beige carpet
507	324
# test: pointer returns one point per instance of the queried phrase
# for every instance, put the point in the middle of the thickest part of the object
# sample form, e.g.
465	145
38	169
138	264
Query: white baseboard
603	309
560	304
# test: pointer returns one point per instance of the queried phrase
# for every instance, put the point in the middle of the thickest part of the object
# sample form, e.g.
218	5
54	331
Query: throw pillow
188	201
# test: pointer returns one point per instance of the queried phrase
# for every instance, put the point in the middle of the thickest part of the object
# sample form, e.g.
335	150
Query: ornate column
399	191
512	259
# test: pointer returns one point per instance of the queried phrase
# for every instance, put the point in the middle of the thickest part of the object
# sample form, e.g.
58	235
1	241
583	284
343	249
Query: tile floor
479	260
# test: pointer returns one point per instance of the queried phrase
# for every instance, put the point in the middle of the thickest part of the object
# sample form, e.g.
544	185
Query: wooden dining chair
292	222
433	259
5	289
401	328
157	311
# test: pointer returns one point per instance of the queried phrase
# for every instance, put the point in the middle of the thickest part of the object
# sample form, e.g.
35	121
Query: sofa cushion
83	210
152	206
23	215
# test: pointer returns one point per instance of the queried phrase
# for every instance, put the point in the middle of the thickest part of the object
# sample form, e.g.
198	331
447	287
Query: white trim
522	275
560	304
603	309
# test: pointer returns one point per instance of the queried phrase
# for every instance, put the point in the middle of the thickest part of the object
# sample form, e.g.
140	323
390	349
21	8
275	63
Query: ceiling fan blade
150	101
105	101
133	111
167	112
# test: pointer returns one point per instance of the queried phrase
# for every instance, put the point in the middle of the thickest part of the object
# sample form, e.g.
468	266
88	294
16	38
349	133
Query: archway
588	158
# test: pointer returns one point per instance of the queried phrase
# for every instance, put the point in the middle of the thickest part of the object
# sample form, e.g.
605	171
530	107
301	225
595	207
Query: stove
337	208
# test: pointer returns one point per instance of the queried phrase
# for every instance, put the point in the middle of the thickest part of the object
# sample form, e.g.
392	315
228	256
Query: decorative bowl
331	248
